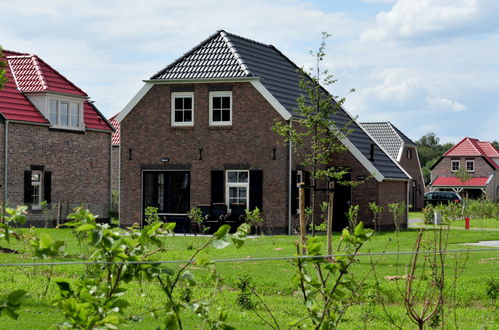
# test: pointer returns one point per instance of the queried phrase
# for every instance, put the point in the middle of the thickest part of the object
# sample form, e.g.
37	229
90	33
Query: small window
454	165
182	109
237	188
36	188
221	108
470	166
64	113
408	153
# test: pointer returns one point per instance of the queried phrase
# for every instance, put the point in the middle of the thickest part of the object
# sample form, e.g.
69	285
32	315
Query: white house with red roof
480	161
54	143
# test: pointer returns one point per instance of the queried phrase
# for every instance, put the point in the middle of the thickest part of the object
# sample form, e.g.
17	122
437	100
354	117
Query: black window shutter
294	192
217	186
47	186
256	189
28	188
307	190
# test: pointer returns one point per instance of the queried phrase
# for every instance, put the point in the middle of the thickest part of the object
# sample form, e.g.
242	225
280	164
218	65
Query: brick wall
80	164
115	167
148	133
413	168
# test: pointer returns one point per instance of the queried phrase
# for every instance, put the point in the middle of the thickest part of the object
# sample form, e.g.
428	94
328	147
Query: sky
424	65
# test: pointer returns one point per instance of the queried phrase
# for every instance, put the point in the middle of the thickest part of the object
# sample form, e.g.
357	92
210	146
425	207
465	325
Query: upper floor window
470	165
182	109
221	108
408	153
65	113
454	165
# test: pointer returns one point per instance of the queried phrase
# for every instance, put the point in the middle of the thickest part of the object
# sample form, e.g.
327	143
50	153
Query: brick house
402	149
115	154
54	143
199	132
479	159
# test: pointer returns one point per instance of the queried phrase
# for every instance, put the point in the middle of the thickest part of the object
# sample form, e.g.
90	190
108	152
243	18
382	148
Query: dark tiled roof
388	136
225	55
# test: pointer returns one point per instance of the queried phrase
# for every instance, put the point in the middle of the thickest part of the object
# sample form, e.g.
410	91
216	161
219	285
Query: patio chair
236	216
215	216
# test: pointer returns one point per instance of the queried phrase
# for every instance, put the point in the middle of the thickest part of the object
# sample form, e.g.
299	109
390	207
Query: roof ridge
454	146
396	133
62	76
235	53
39	72
244	38
189	52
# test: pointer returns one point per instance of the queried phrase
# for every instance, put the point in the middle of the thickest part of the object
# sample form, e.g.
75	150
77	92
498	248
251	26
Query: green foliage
254	218
428	211
492	289
3	76
352	216
429	152
376	211
195	214
326	285
397	210
151	214
244	285
13	216
11	303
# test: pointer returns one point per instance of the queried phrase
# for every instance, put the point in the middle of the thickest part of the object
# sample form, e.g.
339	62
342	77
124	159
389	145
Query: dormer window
65	113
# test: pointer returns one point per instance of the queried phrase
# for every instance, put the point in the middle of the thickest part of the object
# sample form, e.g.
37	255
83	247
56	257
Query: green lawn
416	215
273	281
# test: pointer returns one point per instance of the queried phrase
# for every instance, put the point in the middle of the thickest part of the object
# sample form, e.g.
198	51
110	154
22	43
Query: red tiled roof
442	181
115	140
28	73
473	147
13	104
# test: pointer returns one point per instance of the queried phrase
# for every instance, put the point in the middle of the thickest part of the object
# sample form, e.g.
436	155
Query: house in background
479	159
402	149
115	155
54	143
199	132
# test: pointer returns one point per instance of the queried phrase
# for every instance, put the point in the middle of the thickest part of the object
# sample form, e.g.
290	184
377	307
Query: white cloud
444	104
409	19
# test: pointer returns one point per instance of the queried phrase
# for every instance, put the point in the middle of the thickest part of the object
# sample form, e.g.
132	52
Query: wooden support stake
330	218
301	196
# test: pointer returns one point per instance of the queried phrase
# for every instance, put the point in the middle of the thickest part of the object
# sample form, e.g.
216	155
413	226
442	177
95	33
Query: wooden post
301	196
330	218
58	214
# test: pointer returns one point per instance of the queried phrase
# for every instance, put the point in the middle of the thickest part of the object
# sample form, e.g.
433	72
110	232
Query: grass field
468	305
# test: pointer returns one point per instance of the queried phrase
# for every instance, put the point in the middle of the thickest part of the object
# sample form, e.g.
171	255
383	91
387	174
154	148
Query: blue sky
424	65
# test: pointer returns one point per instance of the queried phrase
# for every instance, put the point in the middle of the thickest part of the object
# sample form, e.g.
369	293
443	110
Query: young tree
316	137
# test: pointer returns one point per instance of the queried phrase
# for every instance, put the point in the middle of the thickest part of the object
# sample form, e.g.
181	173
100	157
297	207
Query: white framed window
182	109
454	165
470	166
65	113
36	189
237	187
221	108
